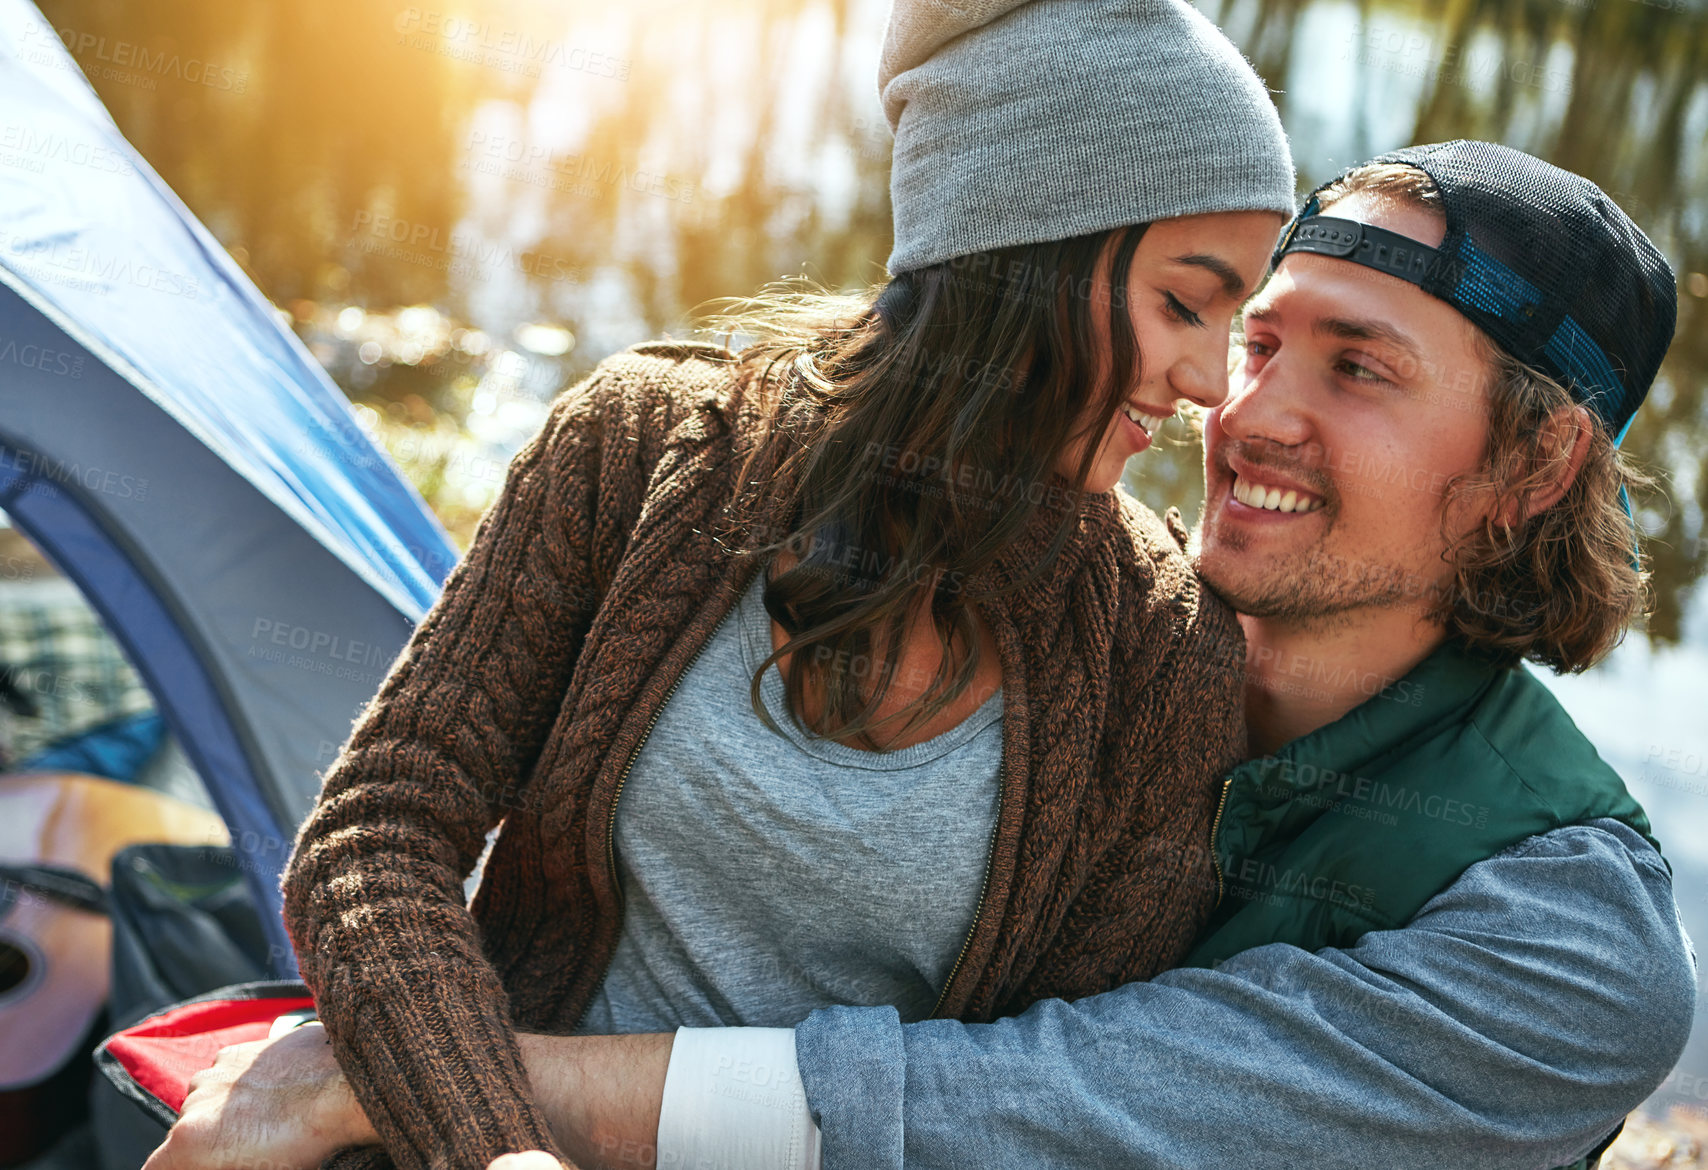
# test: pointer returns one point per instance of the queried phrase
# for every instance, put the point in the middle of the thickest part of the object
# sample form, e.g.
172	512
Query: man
1446	936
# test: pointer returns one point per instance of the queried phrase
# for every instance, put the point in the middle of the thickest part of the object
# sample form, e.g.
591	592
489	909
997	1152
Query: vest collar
1439	689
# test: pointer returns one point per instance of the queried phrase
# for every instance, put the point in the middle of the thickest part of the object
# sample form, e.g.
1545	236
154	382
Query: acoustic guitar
58	834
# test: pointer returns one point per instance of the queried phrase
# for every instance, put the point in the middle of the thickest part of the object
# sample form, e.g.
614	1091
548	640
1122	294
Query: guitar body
55	960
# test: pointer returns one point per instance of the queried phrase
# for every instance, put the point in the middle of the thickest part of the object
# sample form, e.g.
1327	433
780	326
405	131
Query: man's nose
1267	405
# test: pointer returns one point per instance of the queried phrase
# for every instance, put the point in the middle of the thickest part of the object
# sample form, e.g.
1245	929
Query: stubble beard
1314	586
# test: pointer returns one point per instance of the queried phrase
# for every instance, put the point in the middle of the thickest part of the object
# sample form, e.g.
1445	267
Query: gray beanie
1019	121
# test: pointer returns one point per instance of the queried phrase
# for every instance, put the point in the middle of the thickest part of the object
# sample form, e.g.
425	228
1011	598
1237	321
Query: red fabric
163	1052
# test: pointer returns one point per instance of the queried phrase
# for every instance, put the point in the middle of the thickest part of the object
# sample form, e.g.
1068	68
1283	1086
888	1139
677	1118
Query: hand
282	1102
532	1160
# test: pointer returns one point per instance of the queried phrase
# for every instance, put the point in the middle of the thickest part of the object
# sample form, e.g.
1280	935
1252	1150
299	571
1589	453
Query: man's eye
1359	373
1179	311
1259	348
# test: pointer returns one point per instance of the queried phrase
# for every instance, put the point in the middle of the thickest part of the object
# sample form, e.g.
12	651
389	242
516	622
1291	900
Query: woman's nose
1201	376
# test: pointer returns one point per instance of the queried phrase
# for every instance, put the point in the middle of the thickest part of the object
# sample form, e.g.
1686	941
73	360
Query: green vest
1356	825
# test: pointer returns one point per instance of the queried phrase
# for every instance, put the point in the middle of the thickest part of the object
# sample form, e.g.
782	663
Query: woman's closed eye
1178	310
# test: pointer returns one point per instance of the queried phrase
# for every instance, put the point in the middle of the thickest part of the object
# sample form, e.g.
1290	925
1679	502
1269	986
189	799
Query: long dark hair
919	426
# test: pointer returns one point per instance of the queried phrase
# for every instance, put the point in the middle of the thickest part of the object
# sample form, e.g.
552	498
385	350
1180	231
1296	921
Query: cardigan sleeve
373	892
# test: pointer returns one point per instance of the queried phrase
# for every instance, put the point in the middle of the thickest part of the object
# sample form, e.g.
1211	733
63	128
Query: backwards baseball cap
1536	257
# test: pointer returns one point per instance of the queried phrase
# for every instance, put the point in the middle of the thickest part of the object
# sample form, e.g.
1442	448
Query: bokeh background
462	208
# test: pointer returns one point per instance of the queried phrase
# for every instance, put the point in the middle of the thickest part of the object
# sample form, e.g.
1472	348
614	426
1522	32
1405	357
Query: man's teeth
1147	422
1273	498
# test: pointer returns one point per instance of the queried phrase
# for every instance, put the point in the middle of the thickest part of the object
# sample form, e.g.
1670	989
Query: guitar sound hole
14	967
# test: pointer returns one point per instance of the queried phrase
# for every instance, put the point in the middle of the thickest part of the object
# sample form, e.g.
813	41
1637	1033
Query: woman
833	670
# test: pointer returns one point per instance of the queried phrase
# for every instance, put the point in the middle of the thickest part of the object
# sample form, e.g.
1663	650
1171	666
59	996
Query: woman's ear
1564	445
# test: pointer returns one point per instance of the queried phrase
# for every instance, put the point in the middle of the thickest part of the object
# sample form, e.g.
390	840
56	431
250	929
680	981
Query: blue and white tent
176	452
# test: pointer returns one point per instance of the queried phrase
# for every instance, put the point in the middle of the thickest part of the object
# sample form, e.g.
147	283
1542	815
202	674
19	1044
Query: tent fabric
95	239
173	448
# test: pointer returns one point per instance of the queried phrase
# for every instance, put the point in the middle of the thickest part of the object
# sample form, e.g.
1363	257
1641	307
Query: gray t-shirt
765	877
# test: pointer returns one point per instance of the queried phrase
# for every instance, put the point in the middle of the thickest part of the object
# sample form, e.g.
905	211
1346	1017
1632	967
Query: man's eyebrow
1364	329
1232	283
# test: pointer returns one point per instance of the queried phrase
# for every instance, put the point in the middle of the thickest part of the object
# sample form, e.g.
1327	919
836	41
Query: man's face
1359	398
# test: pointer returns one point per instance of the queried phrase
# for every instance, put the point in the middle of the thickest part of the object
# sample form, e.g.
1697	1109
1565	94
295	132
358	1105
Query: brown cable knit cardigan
528	688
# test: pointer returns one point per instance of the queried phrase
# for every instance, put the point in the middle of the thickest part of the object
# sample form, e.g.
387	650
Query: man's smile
1256	487
1272	497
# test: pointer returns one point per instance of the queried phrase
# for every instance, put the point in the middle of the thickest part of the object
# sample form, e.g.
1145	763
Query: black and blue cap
1539	259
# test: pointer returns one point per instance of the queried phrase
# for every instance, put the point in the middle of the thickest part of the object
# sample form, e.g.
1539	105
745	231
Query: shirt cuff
733	1097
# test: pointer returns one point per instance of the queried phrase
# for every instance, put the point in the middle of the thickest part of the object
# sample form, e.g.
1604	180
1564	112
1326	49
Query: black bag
184	923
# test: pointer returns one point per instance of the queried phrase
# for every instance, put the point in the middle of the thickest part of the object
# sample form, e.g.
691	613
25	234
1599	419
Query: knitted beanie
1019	121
